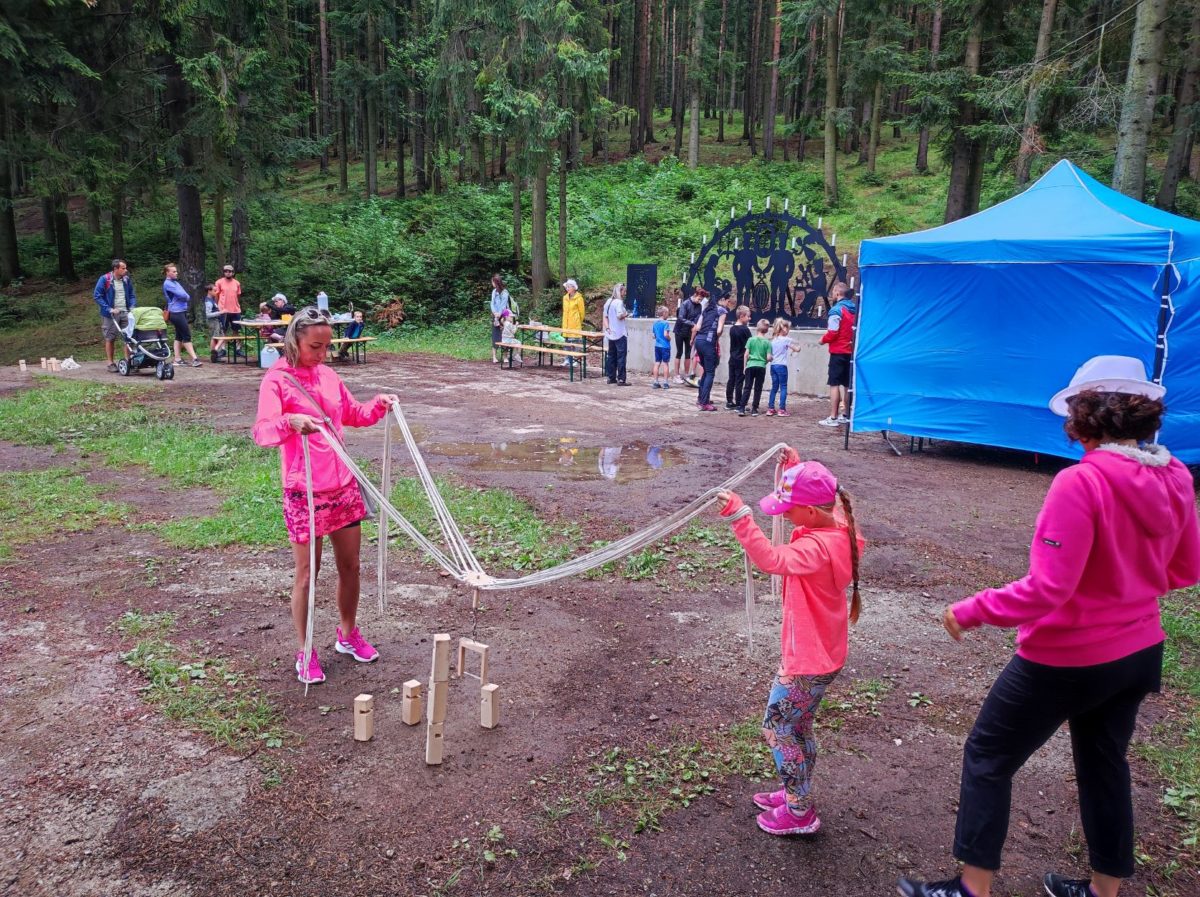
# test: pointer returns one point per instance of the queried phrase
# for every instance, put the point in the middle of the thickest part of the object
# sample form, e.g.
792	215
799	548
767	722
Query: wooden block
364	718
434	744
489	706
43	364
465	645
410	707
440	671
439	693
21	365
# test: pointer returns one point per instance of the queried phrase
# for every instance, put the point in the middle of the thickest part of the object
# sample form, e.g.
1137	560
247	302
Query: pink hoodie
816	570
1117	532
277	398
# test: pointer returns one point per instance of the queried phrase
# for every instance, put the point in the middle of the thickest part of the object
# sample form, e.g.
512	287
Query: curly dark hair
1113	415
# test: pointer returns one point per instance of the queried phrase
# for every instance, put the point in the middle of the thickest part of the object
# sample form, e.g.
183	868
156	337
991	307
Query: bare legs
347	544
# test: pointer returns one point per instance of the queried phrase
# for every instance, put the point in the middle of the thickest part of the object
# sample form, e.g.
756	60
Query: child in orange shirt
817	565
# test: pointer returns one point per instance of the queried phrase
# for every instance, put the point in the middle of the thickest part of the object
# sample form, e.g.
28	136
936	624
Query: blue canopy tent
966	330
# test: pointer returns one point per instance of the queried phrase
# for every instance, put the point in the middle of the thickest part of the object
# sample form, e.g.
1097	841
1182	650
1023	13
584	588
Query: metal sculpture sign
775	263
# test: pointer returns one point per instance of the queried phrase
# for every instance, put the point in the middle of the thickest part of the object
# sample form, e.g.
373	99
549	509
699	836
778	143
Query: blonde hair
742	310
307	317
780	325
762	326
662	312
168	266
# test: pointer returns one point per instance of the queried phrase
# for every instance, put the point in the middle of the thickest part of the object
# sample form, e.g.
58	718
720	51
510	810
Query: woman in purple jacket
177	306
1116	533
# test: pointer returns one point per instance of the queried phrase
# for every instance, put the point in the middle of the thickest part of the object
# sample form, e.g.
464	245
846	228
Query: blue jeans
707	350
778	385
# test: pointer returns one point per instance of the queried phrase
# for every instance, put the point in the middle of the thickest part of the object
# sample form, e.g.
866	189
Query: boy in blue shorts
662	348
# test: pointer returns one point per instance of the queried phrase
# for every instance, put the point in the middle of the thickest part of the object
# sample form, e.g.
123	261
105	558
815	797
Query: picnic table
570	350
357	347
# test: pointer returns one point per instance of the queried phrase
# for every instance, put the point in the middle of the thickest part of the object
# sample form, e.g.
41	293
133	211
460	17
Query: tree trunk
343	144
239	223
864	128
696	78
752	109
118	225
677	78
401	139
1141	90
93	216
187	195
1031	143
721	75
219	228
831	102
48	220
773	88
323	110
516	221
416	100
62	237
1185	118
562	219
876	115
371	109
965	151
644	124
539	263
935	47
10	256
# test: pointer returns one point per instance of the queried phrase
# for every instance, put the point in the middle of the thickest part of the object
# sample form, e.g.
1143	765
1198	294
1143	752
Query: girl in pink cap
817	565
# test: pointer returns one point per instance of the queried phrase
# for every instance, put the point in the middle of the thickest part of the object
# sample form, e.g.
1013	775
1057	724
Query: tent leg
891	445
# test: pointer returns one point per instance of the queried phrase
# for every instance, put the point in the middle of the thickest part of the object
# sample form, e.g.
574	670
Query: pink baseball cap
806	483
506	313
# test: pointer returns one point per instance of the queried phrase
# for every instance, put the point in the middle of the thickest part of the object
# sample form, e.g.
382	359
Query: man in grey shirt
114	294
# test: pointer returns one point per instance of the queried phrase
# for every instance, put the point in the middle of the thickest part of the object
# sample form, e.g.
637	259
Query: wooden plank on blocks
440	671
434	744
489	706
364	718
465	645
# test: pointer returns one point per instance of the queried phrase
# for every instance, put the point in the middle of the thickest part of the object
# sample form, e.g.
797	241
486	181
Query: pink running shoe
782	412
770	412
782	821
769	800
313	674
356	646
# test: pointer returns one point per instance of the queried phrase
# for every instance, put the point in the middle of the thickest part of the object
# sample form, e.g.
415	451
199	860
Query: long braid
855	601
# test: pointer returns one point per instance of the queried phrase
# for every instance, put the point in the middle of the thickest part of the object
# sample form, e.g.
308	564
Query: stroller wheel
160	370
123	367
169	371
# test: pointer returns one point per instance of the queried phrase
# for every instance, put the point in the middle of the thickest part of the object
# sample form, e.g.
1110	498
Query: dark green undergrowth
40	504
469	340
109	425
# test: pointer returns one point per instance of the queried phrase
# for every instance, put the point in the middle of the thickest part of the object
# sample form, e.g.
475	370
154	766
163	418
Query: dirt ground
99	794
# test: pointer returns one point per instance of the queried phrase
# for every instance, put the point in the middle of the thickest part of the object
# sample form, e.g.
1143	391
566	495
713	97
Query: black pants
751	380
1027	704
706	349
733	385
614	361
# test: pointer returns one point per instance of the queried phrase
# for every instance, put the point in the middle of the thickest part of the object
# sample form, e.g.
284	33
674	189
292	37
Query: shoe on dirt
782	412
196	362
741	412
1057	886
754	413
770	412
356	646
769	800
112	368
656	385
842	419
782	821
953	887
313	674
828	422
666	385
678	379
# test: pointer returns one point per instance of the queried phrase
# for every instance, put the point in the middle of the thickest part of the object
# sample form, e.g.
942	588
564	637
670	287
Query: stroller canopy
966	330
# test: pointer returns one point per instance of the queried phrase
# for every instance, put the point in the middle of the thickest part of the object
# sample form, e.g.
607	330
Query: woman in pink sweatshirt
297	394
817	566
1116	533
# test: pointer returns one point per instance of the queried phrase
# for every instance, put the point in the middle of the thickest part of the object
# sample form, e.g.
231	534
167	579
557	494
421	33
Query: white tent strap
312	563
385	485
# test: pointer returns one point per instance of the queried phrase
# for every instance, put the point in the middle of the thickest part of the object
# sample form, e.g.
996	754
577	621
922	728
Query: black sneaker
910	887
754	413
1057	886
729	406
214	357
741	412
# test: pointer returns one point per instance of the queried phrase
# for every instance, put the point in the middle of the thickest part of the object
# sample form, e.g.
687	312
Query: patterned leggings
788	729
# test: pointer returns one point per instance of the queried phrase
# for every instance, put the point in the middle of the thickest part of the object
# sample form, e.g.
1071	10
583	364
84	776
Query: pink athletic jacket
277	398
1117	532
816	570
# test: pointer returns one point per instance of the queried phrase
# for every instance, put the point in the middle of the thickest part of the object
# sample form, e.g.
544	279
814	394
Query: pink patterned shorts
333	510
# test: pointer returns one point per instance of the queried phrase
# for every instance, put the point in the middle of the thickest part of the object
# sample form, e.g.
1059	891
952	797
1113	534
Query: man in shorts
840	338
229	294
114	294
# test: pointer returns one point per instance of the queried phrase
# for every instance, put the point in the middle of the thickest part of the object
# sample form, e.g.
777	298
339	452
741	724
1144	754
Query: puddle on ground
566	457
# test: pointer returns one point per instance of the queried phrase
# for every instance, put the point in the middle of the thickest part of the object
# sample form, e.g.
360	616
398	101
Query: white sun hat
1108	373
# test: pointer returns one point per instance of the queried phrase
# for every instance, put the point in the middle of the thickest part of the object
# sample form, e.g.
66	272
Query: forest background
398	154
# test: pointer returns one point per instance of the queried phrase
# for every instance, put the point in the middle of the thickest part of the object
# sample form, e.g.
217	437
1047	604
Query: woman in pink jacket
298	394
1116	533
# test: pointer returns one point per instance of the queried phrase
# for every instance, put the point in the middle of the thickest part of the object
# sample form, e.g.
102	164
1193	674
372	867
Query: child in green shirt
757	350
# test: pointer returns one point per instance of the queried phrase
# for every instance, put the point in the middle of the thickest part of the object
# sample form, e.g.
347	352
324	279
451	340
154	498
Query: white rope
385	477
312	563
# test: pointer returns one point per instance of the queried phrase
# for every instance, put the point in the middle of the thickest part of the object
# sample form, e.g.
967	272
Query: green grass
468	340
44	319
640	785
1174	745
205	694
503	530
40	504
110	425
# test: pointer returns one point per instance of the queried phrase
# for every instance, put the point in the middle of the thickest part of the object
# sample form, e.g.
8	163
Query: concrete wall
808	369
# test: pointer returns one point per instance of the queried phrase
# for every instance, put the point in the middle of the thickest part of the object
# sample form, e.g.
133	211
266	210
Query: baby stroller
144	333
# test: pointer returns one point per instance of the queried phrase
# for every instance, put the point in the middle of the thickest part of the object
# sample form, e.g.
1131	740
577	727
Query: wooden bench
230	343
355	344
545	350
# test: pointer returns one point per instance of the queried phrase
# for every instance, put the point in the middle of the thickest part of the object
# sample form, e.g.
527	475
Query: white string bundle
312	564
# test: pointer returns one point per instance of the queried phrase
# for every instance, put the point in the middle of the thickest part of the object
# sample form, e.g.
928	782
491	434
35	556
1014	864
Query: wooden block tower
439	688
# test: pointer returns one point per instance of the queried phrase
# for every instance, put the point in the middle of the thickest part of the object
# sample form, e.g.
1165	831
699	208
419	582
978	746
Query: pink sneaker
770	412
313	674
782	821
782	412
769	800
356	646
